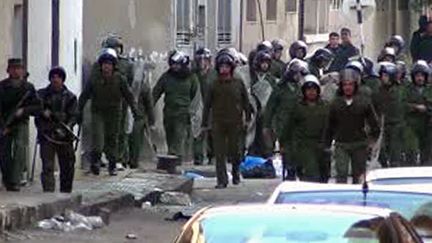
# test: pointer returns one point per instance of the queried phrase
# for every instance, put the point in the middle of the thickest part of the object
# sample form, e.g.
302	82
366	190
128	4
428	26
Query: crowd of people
334	104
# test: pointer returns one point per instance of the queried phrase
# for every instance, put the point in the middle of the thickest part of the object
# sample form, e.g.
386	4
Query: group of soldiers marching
335	105
332	105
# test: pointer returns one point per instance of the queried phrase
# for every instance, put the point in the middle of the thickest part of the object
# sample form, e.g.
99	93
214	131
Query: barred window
290	6
251	10
271	10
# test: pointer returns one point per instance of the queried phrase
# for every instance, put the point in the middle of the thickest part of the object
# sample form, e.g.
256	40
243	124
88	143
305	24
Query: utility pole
301	20
261	20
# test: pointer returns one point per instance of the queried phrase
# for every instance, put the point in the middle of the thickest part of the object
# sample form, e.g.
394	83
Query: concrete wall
143	24
70	50
6	33
39	41
285	27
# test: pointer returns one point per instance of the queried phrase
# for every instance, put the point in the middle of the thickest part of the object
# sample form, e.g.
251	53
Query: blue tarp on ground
257	167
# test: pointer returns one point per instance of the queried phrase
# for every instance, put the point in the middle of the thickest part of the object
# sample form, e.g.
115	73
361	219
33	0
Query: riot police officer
107	89
227	103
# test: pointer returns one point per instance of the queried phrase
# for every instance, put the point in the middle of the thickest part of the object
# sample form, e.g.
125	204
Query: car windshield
322	226
402	181
406	203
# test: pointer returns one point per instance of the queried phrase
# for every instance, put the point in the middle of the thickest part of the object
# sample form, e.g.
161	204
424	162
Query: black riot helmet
309	81
265	46
108	55
387	54
402	69
398	41
203	53
368	67
348	74
225	58
298	45
277	45
322	56
355	65
388	68
420	66
114	42
262	56
295	68
178	57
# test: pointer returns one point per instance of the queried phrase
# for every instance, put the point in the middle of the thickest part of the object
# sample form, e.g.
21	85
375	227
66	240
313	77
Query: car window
406	203
402	181
295	227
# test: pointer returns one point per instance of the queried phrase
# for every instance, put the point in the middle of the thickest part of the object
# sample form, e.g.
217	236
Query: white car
411	201
400	176
297	223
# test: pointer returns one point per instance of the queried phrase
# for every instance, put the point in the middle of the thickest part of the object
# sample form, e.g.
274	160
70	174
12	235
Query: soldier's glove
47	114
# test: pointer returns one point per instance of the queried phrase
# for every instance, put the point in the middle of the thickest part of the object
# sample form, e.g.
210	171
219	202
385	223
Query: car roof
401	172
287	208
299	186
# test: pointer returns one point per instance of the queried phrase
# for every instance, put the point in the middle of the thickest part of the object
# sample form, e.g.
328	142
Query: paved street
151	224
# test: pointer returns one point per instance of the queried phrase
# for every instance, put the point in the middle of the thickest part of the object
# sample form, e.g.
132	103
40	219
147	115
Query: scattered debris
71	221
175	198
131	237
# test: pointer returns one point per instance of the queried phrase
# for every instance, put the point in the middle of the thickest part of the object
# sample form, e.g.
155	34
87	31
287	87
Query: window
336	4
316	18
382	5
251	10
183	22
224	21
290	6
271	10
403	5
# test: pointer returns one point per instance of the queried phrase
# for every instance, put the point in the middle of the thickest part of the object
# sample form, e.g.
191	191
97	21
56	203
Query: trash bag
71	221
257	167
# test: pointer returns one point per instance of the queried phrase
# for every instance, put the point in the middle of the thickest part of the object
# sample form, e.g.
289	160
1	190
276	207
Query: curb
30	211
34	207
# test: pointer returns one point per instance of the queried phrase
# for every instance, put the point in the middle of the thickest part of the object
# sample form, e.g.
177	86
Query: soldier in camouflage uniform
228	103
390	103
307	125
398	44
319	62
418	115
277	66
107	88
55	135
141	126
262	85
279	108
349	113
125	67
18	100
180	86
205	75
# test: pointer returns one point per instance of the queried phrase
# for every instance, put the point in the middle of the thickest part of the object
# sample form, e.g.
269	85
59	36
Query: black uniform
54	137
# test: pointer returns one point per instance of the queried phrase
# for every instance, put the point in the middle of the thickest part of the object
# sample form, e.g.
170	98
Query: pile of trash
71	221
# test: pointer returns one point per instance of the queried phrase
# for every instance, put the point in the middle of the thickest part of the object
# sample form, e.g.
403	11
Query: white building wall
70	54
39	41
